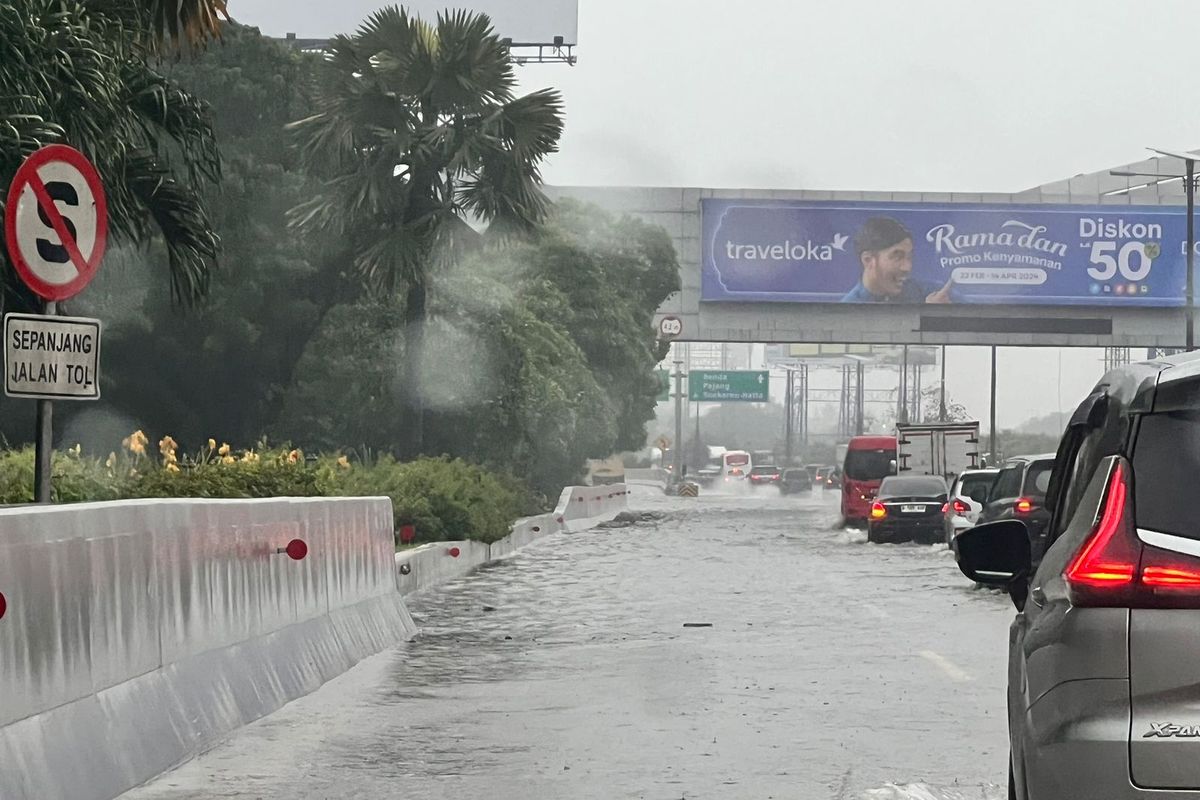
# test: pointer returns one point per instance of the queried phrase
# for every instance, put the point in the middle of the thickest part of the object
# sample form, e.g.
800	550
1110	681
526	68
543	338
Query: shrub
76	478
441	497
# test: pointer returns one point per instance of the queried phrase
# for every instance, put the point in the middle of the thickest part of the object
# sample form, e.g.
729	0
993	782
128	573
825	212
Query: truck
839	454
937	448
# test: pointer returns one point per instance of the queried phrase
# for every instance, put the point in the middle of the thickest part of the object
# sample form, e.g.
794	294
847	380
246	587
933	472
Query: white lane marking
952	670
875	611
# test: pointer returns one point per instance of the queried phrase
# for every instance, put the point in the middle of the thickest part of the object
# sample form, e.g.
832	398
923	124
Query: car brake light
1108	559
878	510
1114	567
1023	505
945	508
960	507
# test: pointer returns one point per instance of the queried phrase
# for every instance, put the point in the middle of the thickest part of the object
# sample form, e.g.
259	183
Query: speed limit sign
670	327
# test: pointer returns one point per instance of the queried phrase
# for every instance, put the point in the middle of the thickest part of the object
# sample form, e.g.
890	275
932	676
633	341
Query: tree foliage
221	369
82	74
416	130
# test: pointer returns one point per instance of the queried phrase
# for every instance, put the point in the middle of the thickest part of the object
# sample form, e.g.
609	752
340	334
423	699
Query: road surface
826	667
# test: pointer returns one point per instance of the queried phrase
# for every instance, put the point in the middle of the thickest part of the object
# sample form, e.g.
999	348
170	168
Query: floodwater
739	647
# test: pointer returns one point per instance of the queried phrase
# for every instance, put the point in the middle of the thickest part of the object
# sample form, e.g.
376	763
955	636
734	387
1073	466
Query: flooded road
739	647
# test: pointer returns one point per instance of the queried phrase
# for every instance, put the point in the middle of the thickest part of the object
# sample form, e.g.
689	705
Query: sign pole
55	231
43	481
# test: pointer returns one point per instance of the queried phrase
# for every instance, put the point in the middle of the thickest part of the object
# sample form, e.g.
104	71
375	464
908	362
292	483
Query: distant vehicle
869	459
967	496
762	456
794	481
707	475
765	475
812	470
833	478
937	448
908	508
735	464
1020	493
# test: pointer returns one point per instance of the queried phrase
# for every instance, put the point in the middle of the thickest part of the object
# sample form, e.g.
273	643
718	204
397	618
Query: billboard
523	21
860	252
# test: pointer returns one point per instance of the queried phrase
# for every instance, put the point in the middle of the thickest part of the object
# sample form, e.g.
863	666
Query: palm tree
419	131
82	74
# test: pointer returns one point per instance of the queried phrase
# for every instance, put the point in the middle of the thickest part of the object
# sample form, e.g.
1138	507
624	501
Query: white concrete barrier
138	633
650	476
579	508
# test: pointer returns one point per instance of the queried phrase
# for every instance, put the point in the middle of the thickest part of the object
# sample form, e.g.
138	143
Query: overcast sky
937	95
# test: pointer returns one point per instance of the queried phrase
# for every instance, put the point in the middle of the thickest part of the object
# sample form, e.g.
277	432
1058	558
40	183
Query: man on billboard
885	250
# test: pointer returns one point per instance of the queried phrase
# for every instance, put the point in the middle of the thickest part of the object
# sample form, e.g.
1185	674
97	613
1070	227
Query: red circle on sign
297	549
85	264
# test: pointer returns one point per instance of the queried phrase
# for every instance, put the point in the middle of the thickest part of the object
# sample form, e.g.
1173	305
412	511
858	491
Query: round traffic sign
670	326
56	222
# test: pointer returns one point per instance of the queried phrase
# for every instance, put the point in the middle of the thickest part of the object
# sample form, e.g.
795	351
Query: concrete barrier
651	476
138	633
579	508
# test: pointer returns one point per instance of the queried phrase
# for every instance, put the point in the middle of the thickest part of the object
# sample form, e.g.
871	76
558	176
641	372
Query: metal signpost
55	230
726	386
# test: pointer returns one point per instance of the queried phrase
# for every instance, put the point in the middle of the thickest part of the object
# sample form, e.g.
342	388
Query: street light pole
1189	160
1189	335
677	446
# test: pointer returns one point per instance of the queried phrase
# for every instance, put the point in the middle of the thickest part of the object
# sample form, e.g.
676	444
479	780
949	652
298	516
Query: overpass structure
749	285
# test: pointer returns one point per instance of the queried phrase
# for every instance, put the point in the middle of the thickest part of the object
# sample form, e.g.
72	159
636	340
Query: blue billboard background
804	251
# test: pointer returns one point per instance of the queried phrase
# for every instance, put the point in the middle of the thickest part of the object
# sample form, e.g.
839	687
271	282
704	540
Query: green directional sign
724	386
664	384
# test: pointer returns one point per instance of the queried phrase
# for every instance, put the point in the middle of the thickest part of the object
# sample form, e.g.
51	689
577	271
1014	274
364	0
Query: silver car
1104	652
967	496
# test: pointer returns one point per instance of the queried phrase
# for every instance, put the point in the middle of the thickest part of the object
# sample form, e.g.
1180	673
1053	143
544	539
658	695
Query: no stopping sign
56	222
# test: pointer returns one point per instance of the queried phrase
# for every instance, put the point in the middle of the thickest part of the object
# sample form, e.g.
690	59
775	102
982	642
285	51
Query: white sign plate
51	358
670	327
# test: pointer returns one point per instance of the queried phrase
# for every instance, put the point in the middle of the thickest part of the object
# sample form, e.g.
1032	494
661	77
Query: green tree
417	129
612	274
81	73
220	369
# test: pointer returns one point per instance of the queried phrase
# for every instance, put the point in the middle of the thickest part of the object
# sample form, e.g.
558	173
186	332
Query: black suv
1019	492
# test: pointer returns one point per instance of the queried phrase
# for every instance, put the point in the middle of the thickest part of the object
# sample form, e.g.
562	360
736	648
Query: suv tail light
878	510
1115	568
960	507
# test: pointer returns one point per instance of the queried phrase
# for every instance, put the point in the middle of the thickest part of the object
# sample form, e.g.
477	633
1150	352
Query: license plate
912	509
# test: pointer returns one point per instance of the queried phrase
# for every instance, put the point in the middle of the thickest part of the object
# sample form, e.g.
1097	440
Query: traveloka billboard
857	252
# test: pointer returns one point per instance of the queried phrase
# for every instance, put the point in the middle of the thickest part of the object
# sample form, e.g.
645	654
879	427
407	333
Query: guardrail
652	476
579	508
134	634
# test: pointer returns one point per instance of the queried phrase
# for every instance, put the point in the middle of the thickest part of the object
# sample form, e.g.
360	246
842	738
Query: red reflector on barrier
3	605
536	529
560	520
454	552
296	549
407	533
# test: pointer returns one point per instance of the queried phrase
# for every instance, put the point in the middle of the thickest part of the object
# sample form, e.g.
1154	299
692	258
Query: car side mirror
997	554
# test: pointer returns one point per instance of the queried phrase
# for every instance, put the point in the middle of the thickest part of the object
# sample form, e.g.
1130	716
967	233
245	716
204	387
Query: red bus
869	459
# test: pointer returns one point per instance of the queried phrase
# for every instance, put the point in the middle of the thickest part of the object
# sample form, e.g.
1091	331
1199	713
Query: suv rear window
1037	478
1008	483
869	465
1166	461
976	487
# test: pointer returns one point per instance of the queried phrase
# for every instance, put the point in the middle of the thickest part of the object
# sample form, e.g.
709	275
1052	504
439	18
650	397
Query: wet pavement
740	647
